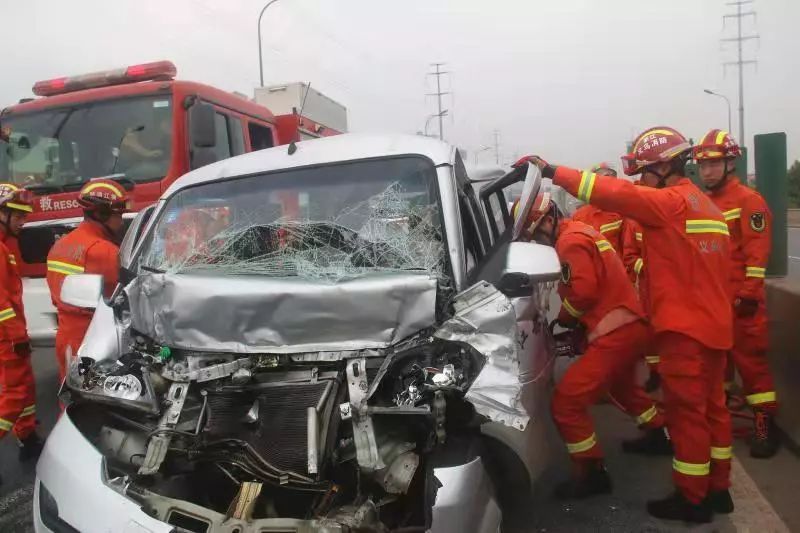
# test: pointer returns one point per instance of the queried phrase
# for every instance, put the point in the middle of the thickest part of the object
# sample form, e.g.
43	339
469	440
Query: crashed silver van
338	336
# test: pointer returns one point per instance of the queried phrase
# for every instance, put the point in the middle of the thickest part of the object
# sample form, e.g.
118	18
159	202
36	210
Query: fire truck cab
137	125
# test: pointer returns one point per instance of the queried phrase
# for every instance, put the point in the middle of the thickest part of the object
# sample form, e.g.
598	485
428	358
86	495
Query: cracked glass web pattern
324	230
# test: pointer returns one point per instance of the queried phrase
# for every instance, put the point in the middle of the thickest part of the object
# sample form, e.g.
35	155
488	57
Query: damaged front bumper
72	475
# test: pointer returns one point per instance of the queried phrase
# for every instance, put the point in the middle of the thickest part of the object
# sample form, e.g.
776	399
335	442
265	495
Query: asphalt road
765	492
794	253
16	492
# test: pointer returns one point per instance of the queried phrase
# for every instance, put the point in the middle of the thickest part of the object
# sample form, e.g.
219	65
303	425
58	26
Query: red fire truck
138	125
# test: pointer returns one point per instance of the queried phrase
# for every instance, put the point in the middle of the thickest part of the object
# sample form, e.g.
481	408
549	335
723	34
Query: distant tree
794	184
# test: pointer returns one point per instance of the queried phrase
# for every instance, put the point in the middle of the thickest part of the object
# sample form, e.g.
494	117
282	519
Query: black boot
676	507
653	382
720	501
766	440
30	447
653	442
590	479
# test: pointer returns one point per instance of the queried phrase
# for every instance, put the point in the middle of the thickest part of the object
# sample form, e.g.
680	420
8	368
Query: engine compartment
350	441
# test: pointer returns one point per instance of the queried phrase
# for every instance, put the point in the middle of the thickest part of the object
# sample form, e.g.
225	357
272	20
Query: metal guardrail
793	218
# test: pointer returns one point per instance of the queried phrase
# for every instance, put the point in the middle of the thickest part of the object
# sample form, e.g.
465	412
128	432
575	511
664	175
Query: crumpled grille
280	434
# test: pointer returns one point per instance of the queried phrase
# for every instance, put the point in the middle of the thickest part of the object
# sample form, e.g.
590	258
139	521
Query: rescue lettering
47	204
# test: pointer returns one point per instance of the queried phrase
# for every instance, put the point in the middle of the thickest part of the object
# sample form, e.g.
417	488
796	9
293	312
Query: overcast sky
571	80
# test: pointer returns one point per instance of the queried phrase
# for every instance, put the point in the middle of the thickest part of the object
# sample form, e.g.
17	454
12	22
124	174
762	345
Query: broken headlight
125	382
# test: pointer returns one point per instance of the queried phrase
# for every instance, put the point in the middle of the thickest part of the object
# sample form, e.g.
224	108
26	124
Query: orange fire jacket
685	246
607	223
12	312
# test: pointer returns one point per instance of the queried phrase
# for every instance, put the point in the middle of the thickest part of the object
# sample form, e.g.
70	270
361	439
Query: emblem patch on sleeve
758	222
566	273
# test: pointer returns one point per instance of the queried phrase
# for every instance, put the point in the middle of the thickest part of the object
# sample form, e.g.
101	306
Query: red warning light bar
159	70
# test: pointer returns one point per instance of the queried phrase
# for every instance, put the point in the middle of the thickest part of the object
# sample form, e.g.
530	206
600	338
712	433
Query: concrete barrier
793	218
783	301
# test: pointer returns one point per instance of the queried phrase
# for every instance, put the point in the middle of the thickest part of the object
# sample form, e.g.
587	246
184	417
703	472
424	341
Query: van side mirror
202	125
518	265
82	290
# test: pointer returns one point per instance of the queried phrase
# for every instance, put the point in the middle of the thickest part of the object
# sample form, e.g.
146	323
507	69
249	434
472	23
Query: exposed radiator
272	419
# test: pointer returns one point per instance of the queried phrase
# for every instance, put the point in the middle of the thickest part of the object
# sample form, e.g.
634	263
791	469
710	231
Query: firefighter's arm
632	249
12	324
578	287
756	223
651	207
103	259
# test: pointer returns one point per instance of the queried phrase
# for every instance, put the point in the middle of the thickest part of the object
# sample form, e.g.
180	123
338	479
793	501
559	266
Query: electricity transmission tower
438	94
740	62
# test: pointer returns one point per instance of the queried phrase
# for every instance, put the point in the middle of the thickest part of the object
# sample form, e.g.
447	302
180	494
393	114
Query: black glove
745	307
23	349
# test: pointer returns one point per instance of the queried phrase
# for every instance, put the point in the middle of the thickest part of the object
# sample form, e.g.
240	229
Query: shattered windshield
62	148
327	223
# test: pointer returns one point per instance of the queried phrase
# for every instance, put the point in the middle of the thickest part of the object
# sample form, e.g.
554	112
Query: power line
438	94
740	62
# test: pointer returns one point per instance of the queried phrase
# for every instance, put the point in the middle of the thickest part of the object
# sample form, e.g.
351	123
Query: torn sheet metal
485	319
250	314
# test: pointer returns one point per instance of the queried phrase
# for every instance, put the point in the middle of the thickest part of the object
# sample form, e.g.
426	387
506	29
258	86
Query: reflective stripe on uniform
721	454
7	314
604	246
571	310
761	397
733	214
638	265
706	226
611	226
586	186
755	272
652	359
647	416
64	268
582	446
5	425
30	410
12	259
691	469
639	236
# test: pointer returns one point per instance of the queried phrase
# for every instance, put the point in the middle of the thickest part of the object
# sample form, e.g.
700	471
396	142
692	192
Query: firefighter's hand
745	307
5	133
23	349
532	159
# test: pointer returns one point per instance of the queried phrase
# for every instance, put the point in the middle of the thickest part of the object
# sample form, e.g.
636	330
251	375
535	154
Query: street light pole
428	120
480	151
707	91
260	58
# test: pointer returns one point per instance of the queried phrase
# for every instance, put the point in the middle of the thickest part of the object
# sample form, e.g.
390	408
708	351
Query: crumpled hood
252	314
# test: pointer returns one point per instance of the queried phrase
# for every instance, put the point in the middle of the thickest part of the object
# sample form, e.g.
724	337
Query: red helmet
717	144
103	194
12	197
541	206
655	145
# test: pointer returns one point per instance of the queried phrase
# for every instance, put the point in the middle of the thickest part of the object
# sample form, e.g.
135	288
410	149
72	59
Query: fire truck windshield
59	149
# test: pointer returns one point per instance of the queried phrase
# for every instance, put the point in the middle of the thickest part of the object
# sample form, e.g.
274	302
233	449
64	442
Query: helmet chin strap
727	172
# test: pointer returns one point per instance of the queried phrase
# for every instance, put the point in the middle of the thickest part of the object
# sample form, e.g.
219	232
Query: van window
260	136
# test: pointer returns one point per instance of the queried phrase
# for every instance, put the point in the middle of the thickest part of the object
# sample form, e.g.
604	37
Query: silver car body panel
252	314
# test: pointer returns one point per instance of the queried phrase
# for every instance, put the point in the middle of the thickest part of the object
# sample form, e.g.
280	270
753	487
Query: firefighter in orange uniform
89	249
607	223
749	222
17	385
686	250
595	295
632	236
